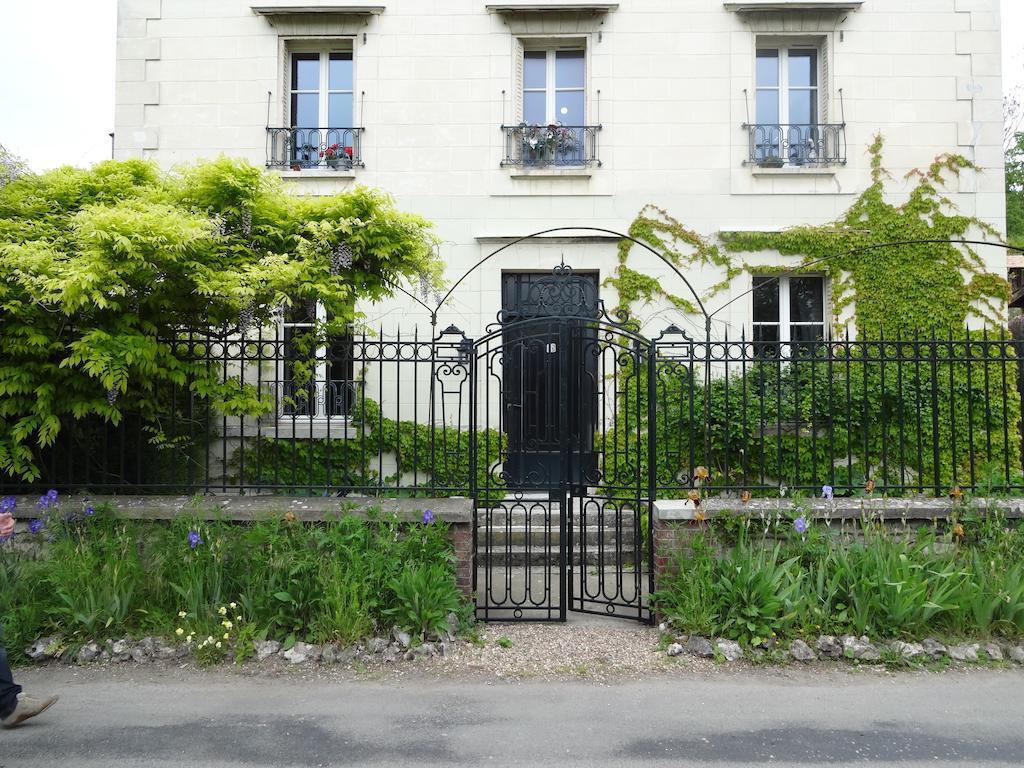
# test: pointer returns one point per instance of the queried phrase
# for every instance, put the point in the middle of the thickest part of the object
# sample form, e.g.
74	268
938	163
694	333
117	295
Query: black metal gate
561	411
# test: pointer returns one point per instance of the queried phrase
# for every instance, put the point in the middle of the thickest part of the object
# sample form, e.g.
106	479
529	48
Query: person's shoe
27	707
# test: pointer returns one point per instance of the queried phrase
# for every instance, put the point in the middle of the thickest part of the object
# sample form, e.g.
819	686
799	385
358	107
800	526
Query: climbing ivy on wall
896	289
837	417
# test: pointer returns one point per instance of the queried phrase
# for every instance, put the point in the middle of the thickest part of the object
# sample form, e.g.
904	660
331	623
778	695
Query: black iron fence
773	145
555	145
303	148
382	415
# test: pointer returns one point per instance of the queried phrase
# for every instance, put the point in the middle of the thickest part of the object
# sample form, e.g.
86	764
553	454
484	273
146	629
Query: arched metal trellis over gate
560	418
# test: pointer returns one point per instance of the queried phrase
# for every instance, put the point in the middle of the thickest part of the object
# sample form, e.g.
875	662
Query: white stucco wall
665	78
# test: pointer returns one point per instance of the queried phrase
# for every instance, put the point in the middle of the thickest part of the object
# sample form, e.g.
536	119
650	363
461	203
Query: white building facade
497	120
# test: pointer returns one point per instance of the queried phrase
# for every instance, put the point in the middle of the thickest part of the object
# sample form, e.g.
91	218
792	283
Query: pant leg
8	690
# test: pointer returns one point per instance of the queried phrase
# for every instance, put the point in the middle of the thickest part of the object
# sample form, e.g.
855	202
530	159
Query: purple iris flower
826	491
89	511
193	539
801	525
428	516
35	526
43	503
7	504
52	495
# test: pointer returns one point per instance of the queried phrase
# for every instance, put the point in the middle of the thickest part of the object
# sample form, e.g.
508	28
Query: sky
57	77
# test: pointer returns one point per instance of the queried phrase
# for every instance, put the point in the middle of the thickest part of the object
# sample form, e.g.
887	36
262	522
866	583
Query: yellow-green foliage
100	267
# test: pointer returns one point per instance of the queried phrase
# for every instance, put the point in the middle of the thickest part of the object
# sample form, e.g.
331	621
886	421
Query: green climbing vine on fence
823	420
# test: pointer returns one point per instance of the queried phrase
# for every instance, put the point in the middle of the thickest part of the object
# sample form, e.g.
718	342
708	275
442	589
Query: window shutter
517	84
286	85
824	87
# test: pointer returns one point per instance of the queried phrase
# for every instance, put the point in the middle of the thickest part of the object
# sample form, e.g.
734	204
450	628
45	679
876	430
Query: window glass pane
807	332
569	108
767	67
767	107
535	107
305	71
806	300
535	69
766	300
766	339
340	72
305	110
339	110
802	107
569	69
803	68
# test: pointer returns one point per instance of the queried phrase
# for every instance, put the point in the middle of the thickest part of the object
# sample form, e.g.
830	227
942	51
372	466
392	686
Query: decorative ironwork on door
562	388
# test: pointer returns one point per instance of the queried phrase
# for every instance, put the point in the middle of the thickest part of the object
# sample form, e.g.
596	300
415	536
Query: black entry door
549	392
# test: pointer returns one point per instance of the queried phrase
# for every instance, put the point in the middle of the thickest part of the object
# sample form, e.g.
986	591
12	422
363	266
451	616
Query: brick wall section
461	535
671	537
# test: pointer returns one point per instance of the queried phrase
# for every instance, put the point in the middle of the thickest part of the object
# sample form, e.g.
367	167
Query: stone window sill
550	173
319	173
817	170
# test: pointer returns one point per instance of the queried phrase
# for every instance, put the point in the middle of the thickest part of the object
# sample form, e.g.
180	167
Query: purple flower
35	526
801	525
89	511
826	491
43	503
428	516
193	539
7	504
52	495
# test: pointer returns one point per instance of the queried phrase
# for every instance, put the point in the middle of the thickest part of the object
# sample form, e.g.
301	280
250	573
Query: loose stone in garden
964	652
993	651
730	649
1017	654
700	646
907	650
266	649
675	649
801	651
934	648
859	648
829	647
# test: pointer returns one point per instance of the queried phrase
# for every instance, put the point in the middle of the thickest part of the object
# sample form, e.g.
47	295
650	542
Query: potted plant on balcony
543	144
771	161
337	156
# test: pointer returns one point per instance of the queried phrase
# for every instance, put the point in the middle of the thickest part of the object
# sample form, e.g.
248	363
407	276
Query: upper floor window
788	128
787	86
321	89
788	311
320	117
554	87
553	130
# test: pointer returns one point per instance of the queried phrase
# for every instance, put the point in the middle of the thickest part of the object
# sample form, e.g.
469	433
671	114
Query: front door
545	332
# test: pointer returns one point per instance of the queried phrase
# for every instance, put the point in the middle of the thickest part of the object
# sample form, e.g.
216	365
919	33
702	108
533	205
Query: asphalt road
186	718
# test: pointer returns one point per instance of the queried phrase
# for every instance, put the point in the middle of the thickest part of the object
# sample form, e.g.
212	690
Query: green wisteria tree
101	269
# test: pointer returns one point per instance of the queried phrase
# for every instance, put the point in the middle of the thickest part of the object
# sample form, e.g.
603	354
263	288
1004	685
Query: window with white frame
788	104
554	105
787	310
320	108
326	386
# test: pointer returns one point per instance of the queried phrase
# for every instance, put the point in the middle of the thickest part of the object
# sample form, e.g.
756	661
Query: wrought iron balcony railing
773	145
302	148
545	146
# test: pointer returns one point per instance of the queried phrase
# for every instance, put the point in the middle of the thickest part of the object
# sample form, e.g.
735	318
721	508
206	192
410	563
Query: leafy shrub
424	598
97	576
909	584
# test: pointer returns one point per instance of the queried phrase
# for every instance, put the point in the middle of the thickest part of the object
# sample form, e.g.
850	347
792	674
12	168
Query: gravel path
604	652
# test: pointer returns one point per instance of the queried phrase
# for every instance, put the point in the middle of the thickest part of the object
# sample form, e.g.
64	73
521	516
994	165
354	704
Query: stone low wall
456	512
675	522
